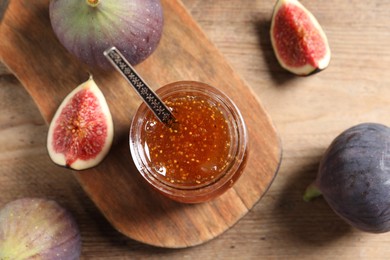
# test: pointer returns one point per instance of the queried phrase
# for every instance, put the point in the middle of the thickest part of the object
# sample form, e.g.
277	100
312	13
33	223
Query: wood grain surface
115	186
308	114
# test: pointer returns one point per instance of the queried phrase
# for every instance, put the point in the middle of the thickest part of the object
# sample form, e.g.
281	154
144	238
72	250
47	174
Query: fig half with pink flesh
81	131
298	40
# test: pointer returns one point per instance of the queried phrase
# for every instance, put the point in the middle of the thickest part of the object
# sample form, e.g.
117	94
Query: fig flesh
298	40
81	132
354	177
34	228
87	28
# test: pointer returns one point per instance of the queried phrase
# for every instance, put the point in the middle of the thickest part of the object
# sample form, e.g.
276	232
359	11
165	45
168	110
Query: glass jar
201	155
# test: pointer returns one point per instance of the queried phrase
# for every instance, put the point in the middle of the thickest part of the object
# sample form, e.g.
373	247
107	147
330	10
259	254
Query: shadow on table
105	236
311	222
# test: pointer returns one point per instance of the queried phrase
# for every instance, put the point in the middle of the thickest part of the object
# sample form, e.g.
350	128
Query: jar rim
236	124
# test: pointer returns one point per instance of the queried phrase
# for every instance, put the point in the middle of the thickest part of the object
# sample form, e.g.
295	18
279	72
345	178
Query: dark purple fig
33	228
354	177
88	27
299	42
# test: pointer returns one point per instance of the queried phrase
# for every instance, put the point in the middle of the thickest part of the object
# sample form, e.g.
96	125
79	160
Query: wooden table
308	113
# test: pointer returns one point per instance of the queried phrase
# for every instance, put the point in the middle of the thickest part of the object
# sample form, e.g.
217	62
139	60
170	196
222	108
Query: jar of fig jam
201	155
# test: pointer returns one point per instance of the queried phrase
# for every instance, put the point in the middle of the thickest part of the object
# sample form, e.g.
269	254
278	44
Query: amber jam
201	154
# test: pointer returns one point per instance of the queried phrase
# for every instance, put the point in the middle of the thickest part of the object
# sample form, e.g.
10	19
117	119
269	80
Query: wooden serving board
31	51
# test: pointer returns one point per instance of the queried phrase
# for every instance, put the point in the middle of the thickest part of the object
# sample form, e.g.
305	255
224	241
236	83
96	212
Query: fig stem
93	3
311	192
151	99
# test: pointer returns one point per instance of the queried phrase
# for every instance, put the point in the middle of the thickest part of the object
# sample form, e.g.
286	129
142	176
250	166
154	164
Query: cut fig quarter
81	132
298	40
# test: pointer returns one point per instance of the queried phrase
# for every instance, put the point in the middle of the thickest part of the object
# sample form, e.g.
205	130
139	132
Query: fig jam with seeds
198	157
195	151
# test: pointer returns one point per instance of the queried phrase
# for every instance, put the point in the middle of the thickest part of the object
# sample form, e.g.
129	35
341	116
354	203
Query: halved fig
299	42
81	131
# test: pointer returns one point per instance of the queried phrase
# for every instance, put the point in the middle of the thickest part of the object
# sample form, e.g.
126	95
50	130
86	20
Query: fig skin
86	28
81	132
35	228
298	40
354	177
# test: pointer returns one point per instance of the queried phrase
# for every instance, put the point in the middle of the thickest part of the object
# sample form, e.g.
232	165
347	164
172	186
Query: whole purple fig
35	228
87	28
354	177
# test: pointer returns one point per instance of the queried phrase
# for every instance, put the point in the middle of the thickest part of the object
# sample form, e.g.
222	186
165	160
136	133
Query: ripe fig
299	42
33	228
354	177
81	131
87	28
